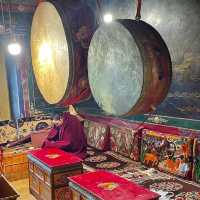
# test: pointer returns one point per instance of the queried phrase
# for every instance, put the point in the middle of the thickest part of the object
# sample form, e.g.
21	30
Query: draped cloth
69	136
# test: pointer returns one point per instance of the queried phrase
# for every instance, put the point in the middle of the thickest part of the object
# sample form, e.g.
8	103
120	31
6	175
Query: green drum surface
115	69
129	68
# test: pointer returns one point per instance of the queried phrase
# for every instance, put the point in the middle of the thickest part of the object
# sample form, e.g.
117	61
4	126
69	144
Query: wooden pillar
4	92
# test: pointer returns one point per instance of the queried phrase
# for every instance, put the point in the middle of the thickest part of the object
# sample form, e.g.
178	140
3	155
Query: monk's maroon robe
69	137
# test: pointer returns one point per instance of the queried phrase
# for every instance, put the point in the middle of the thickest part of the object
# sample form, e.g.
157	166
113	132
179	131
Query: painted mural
182	37
177	22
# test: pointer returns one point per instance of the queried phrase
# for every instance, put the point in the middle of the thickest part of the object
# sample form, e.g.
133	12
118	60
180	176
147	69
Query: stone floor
22	188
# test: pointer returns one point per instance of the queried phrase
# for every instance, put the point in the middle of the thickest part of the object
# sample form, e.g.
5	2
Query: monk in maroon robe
69	136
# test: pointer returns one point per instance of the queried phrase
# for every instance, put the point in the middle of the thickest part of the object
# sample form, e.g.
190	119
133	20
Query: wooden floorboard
22	188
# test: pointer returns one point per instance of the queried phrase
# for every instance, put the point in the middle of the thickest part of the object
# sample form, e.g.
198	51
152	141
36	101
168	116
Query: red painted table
102	185
49	170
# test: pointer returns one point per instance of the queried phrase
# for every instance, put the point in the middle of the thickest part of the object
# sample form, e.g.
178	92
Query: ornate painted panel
196	164
125	141
169	153
97	135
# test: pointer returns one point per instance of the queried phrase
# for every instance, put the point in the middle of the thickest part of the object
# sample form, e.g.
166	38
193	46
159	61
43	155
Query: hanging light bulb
108	18
14	48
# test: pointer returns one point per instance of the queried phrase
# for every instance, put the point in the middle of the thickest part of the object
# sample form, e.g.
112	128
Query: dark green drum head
115	69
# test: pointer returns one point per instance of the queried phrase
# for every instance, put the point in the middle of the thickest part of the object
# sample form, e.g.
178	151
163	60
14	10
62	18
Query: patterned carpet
100	160
168	186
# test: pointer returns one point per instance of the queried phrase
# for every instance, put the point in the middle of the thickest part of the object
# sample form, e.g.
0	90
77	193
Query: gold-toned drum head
50	54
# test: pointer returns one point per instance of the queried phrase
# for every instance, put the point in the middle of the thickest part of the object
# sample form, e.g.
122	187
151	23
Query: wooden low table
49	170
15	163
102	185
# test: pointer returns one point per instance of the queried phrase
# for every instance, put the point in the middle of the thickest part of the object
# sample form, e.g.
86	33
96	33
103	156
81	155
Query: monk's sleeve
64	144
53	133
59	144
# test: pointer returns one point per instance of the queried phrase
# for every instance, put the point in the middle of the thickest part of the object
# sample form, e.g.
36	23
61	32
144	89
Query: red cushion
107	186
54	157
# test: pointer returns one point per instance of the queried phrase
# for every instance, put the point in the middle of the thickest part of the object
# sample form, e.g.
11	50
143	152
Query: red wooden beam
38	1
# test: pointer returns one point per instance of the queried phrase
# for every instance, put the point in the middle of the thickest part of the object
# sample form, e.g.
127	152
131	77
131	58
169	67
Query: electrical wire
2	14
9	12
10	19
99	11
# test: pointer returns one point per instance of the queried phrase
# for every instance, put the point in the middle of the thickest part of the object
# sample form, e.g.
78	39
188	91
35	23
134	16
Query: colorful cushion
9	133
196	167
97	135
169	153
125	141
33	125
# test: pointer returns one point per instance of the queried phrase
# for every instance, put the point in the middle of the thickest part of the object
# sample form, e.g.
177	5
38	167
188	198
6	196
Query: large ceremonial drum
129	67
60	36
